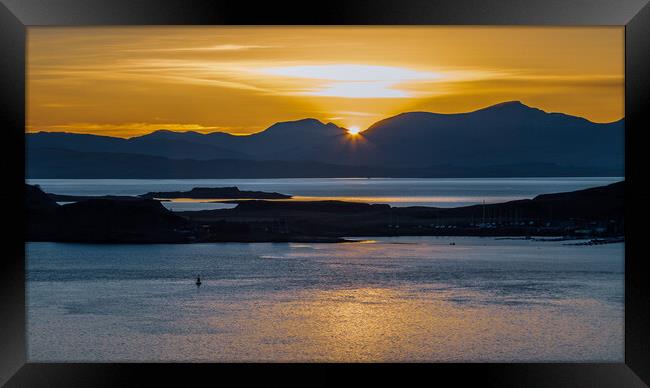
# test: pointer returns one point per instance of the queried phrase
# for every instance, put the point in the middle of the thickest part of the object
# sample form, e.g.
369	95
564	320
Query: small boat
452	243
198	281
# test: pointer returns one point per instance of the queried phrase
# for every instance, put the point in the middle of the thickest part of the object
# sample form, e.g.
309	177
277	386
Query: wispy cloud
369	81
218	47
208	73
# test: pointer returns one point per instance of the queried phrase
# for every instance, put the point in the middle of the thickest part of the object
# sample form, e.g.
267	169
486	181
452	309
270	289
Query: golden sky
127	81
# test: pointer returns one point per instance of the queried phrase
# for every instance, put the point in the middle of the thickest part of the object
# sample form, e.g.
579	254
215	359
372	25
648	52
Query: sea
394	191
402	299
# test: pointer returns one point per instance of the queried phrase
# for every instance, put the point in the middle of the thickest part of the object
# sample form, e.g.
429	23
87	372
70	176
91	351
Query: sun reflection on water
397	299
383	324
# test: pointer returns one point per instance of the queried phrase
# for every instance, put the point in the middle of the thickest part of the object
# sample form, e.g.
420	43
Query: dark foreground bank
595	212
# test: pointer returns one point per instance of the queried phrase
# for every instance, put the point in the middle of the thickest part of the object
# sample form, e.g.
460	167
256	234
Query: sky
129	81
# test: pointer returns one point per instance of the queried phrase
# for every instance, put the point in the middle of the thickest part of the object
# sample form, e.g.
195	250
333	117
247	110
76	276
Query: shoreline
584	241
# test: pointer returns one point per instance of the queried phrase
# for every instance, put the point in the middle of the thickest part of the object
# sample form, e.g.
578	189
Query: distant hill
179	146
279	141
508	134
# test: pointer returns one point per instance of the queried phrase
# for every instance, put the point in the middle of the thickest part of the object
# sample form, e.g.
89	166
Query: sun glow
353	80
241	80
354	130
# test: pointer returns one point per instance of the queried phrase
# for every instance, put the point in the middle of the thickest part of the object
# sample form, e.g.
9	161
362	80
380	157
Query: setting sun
354	130
243	79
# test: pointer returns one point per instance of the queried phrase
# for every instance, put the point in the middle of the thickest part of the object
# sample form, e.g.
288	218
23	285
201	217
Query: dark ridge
36	200
614	190
592	212
103	221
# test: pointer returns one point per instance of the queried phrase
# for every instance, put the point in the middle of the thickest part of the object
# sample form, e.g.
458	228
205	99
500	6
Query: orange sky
127	81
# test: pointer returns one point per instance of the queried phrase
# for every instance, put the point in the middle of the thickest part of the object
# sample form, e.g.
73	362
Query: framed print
386	189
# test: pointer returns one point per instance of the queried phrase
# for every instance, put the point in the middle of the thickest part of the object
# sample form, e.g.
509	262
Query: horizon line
162	129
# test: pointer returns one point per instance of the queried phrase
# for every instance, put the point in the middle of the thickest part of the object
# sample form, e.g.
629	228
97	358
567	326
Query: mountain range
507	139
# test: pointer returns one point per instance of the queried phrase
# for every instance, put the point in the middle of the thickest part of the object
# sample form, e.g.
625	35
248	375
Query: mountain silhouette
506	134
276	142
509	132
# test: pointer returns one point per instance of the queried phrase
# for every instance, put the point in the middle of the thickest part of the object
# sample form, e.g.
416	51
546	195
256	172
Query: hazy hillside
60	163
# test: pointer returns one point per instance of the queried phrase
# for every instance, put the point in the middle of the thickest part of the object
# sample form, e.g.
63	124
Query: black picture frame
17	15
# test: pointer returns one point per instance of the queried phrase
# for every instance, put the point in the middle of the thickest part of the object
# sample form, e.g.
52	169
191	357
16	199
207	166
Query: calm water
397	192
391	299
